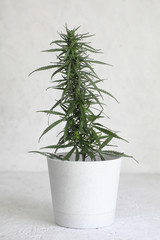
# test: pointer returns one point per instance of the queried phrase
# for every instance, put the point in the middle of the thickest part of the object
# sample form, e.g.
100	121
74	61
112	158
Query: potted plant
84	180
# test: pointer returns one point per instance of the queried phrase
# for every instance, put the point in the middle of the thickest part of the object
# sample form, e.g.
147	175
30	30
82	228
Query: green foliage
80	93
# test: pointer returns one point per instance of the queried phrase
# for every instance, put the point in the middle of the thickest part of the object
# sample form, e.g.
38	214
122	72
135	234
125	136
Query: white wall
128	33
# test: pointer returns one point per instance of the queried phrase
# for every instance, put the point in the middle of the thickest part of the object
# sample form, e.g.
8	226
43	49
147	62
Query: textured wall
128	33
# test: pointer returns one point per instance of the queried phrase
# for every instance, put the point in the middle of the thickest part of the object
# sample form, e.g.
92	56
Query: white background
128	33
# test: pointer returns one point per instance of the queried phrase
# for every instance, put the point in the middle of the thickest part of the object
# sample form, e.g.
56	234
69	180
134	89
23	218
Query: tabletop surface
26	209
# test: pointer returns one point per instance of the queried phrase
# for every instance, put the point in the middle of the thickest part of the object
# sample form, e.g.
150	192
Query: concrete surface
26	210
128	33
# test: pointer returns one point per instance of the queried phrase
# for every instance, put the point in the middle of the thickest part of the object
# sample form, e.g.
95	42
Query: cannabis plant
80	96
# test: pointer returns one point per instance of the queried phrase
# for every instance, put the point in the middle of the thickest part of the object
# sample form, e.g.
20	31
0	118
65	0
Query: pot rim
111	158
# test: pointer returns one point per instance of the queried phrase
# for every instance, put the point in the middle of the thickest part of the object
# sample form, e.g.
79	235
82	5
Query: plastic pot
84	193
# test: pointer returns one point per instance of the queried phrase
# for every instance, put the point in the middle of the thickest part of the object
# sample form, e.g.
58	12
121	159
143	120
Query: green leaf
91	155
83	116
58	146
105	143
94	85
96	137
66	129
63	94
119	154
86	36
95	82
58	41
77	155
96	99
99	62
93	117
71	109
51	126
69	70
56	104
90	74
60	80
98	124
52	112
68	155
88	46
60	85
111	134
59	70
101	156
53	50
66	55
75	29
43	68
91	50
46	154
87	65
102	90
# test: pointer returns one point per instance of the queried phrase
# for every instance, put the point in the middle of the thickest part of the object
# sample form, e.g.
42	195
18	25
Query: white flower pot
84	193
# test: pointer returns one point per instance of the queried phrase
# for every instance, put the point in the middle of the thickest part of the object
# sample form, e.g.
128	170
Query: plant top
80	96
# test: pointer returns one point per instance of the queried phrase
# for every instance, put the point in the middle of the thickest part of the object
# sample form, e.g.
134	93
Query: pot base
84	221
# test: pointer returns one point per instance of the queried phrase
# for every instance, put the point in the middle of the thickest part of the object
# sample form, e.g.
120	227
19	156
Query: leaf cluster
80	95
